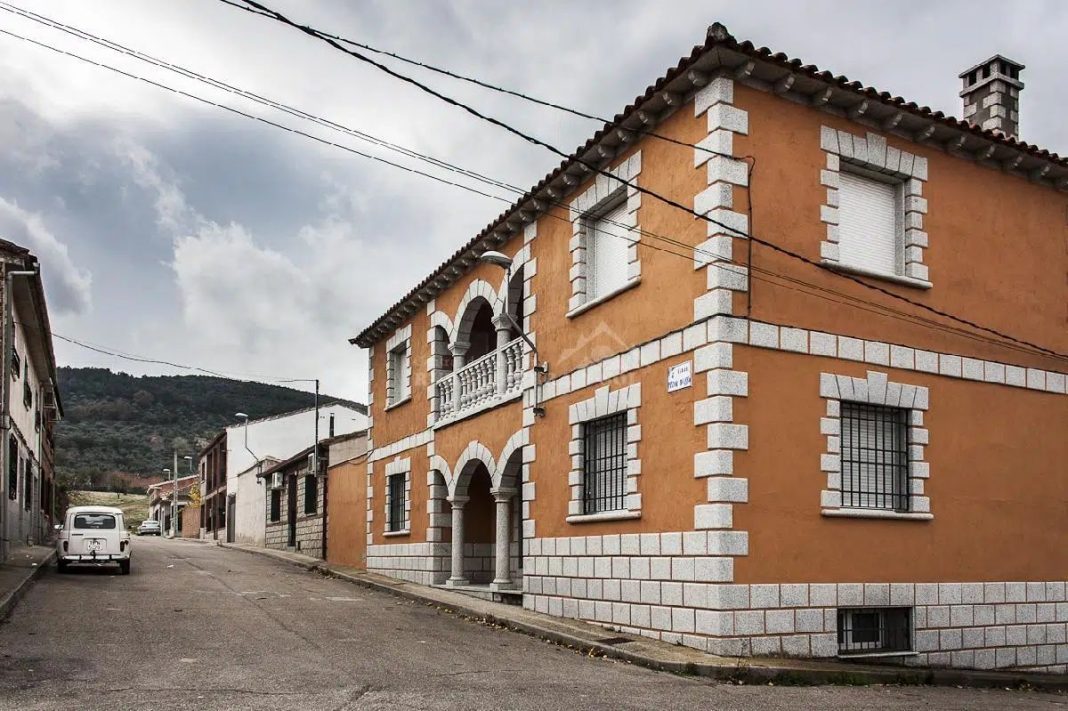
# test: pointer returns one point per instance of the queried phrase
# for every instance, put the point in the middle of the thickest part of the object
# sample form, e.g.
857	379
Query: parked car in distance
92	535
150	527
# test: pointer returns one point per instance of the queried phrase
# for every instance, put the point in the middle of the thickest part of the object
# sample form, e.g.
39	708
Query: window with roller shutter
606	259
870	223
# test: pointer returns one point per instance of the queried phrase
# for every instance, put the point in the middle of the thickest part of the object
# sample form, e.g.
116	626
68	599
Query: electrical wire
689	255
312	32
493	87
325	122
155	361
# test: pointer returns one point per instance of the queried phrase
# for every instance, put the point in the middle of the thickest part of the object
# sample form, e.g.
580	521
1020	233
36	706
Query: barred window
276	505
874	630
398	514
311	494
875	462
604	450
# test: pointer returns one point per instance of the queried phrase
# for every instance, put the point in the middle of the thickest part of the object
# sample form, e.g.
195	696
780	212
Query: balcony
487	381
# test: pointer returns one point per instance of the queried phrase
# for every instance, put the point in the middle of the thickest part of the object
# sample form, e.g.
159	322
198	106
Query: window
27	484
875	630
12	468
98	522
398	375
607	241
311	494
276	504
397	518
875	463
870	220
604	464
27	394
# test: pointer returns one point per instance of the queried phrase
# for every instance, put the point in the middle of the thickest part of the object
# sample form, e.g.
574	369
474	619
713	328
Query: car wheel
124	567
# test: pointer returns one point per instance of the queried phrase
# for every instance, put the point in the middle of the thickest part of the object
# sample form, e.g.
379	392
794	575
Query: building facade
298	497
31	400
799	386
161	496
215	506
255	446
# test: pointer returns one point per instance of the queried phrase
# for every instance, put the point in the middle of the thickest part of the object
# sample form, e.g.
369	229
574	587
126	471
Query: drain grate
614	640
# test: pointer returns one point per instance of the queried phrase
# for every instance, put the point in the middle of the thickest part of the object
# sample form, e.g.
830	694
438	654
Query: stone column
456	574
459	357
504	332
502	578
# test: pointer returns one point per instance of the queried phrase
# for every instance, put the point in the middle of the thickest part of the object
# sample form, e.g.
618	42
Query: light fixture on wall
505	262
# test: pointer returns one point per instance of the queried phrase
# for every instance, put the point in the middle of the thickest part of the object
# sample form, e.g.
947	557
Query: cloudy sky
172	229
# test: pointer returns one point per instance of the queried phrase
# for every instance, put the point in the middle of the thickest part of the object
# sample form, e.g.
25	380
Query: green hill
120	427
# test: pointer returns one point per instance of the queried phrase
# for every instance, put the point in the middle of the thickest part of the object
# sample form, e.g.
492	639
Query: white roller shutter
606	257
868	223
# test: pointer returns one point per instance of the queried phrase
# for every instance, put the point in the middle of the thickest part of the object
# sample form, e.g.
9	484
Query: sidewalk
23	565
654	654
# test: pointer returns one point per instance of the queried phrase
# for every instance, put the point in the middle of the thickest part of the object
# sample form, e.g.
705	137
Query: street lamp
166	475
503	261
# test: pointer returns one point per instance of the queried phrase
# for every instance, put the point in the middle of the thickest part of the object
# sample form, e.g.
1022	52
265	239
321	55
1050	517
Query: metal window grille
397	514
311	494
874	630
604	464
875	461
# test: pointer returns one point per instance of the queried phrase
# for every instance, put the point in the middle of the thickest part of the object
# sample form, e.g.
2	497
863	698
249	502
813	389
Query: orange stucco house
798	388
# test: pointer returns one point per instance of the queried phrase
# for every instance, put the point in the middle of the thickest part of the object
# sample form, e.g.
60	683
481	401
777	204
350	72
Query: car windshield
94	521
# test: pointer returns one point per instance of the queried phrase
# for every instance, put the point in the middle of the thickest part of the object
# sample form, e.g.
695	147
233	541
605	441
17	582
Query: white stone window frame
399	467
399	385
605	402
605	193
870	155
876	389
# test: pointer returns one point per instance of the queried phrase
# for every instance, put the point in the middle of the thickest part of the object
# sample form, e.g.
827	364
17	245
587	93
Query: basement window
874	631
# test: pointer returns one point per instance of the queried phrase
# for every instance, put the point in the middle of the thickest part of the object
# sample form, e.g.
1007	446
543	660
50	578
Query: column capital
458	501
459	348
502	323
503	493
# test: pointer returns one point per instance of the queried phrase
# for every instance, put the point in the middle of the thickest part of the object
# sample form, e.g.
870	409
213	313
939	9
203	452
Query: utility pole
315	449
174	498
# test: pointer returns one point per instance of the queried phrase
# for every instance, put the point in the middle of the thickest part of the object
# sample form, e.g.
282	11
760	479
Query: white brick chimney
992	95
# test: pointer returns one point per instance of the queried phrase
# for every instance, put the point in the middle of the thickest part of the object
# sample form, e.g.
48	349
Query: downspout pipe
5	397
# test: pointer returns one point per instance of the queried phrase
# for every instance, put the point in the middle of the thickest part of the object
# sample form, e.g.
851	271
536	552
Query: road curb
11	599
729	669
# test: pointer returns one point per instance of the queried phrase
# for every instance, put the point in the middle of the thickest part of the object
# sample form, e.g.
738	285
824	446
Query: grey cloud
67	286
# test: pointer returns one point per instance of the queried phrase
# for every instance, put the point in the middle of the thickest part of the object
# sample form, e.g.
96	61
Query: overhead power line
688	255
115	353
317	34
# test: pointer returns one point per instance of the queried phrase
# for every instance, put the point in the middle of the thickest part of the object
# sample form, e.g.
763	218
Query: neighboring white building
28	383
270	440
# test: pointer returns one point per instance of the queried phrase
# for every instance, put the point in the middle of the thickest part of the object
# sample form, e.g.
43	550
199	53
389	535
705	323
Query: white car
149	527
93	535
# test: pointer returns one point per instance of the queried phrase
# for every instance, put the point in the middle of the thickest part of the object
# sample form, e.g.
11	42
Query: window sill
861	271
630	284
605	516
398	403
877	513
395	534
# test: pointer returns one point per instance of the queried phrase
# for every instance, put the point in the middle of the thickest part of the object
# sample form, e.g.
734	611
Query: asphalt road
200	627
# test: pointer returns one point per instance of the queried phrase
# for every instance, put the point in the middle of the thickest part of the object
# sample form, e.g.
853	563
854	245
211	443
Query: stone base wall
423	563
665	586
309	537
